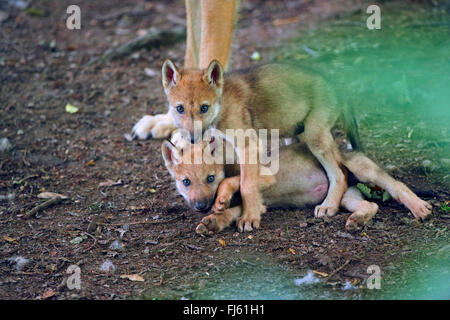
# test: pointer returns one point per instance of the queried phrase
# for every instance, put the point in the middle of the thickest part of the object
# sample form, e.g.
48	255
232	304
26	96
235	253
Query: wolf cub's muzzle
202	205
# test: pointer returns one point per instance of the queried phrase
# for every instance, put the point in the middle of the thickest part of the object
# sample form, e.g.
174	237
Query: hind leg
362	210
366	170
322	145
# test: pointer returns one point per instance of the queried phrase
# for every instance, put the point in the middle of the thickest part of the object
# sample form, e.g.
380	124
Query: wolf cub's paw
362	216
158	127
322	210
143	128
211	223
222	203
421	209
248	223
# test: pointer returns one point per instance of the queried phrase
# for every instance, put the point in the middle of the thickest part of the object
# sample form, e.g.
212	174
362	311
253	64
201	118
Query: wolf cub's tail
351	127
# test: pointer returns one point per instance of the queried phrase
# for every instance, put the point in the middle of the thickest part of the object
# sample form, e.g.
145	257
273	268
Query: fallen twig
153	38
192	247
95	241
338	269
140	222
42	206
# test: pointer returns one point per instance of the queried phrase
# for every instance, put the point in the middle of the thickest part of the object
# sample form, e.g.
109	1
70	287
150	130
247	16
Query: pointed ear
214	75
170	74
215	143
168	153
212	145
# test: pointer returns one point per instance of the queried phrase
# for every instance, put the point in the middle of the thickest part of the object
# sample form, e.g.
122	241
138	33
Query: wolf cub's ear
169	152
170	74
211	145
214	74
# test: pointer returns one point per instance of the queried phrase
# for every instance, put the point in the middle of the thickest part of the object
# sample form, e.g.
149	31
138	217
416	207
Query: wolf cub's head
193	95
196	181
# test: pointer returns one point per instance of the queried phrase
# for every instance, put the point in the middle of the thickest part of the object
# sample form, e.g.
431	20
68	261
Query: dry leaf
109	183
71	108
9	239
90	163
290	250
250	237
323	274
48	294
222	242
132	277
51	195
281	22
151	190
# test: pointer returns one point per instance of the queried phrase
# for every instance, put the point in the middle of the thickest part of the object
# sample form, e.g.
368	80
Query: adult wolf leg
209	34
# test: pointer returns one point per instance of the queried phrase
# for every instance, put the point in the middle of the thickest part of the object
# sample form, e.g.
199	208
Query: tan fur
209	31
209	25
301	181
268	97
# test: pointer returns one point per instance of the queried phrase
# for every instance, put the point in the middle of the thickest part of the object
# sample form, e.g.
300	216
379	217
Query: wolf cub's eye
180	109
210	179
186	182
204	108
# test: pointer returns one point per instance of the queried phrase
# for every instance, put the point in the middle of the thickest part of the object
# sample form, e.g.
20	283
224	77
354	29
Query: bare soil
72	154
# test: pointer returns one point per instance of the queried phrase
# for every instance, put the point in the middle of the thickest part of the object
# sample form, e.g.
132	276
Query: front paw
157	127
247	223
210	224
143	128
221	203
323	210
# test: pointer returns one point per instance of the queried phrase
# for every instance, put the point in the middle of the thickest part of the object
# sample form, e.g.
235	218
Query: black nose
192	140
201	205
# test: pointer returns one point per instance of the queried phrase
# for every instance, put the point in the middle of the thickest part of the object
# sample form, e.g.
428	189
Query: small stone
151	72
427	163
19	4
116	245
3	16
77	240
255	56
19	261
5	145
107	266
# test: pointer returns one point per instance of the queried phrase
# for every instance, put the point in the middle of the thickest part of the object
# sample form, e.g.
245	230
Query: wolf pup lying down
299	182
268	97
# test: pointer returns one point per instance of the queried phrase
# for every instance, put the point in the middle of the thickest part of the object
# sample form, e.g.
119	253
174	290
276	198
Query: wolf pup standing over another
267	97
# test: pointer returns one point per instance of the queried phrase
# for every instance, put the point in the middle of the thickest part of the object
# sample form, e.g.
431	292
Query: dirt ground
44	66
